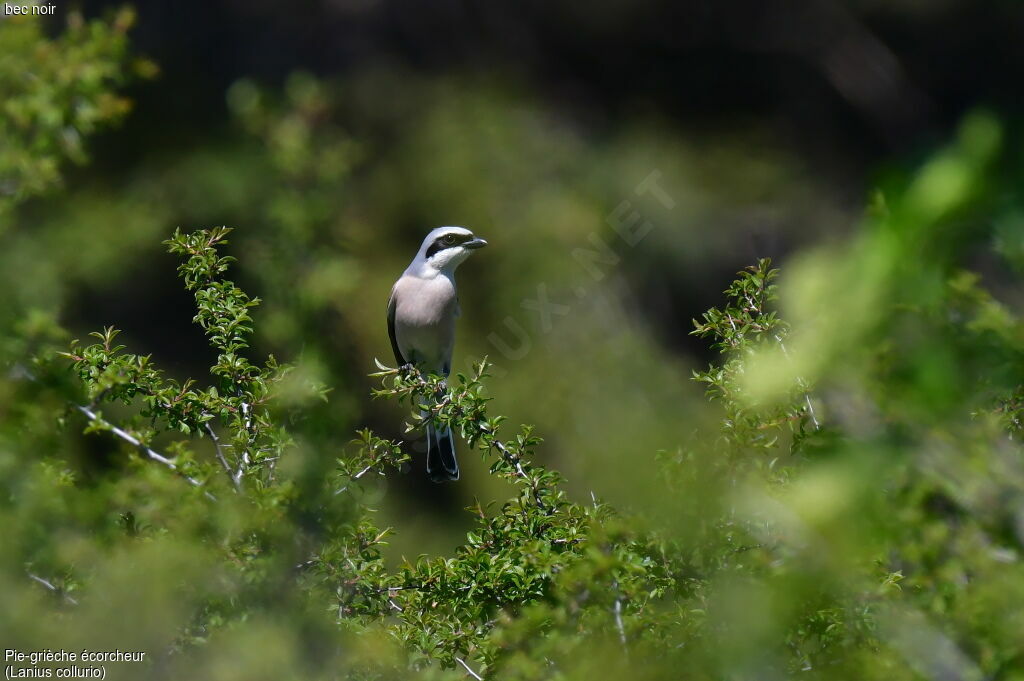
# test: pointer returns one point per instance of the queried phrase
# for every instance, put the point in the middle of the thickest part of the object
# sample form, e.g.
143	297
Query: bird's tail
441	463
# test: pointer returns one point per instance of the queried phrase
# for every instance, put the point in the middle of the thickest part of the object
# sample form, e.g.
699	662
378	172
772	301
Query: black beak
475	242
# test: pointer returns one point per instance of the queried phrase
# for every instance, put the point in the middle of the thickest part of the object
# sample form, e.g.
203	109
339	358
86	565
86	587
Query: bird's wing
391	330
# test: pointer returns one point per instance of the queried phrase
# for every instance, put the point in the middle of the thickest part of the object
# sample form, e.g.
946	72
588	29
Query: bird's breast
426	302
425	321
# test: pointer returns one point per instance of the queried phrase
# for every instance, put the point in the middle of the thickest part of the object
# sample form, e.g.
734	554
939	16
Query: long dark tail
441	463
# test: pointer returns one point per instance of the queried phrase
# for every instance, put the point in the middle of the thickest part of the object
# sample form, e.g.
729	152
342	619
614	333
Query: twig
399	588
145	449
507	455
618	617
356	477
19	371
53	588
468	669
807	396
237	482
810	410
244	462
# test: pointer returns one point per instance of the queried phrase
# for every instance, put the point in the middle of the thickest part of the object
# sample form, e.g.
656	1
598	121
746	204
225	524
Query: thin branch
53	588
810	410
618	618
400	588
618	621
145	449
468	669
247	423
237	482
19	371
357	476
515	461
807	396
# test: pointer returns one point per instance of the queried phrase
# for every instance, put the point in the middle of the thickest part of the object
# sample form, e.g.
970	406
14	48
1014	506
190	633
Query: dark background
846	84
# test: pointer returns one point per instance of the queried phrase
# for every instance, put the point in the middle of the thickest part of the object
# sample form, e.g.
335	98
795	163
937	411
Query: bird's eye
449	238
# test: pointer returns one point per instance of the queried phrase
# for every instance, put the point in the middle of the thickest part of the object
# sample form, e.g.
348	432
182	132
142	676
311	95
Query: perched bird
422	310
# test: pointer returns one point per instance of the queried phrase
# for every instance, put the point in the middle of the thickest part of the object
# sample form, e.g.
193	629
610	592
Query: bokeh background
334	134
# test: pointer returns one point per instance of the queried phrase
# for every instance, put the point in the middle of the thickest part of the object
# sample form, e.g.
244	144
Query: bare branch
619	621
237	482
53	588
145	449
807	395
468	669
244	459
357	476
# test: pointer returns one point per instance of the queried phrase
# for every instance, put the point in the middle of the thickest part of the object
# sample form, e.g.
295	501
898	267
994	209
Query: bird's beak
476	242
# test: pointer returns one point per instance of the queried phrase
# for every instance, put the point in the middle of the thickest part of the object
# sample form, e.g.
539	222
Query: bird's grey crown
440	231
442	251
435	241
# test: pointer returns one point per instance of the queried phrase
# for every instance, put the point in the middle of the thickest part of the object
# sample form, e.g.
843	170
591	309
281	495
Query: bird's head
445	248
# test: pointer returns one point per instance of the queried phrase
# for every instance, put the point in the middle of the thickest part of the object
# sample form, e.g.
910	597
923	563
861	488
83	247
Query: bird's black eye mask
447	241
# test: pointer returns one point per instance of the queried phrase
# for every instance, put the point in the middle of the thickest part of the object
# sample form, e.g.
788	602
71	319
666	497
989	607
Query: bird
422	310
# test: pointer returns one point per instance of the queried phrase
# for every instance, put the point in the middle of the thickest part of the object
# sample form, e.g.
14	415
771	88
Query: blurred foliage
846	505
64	94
